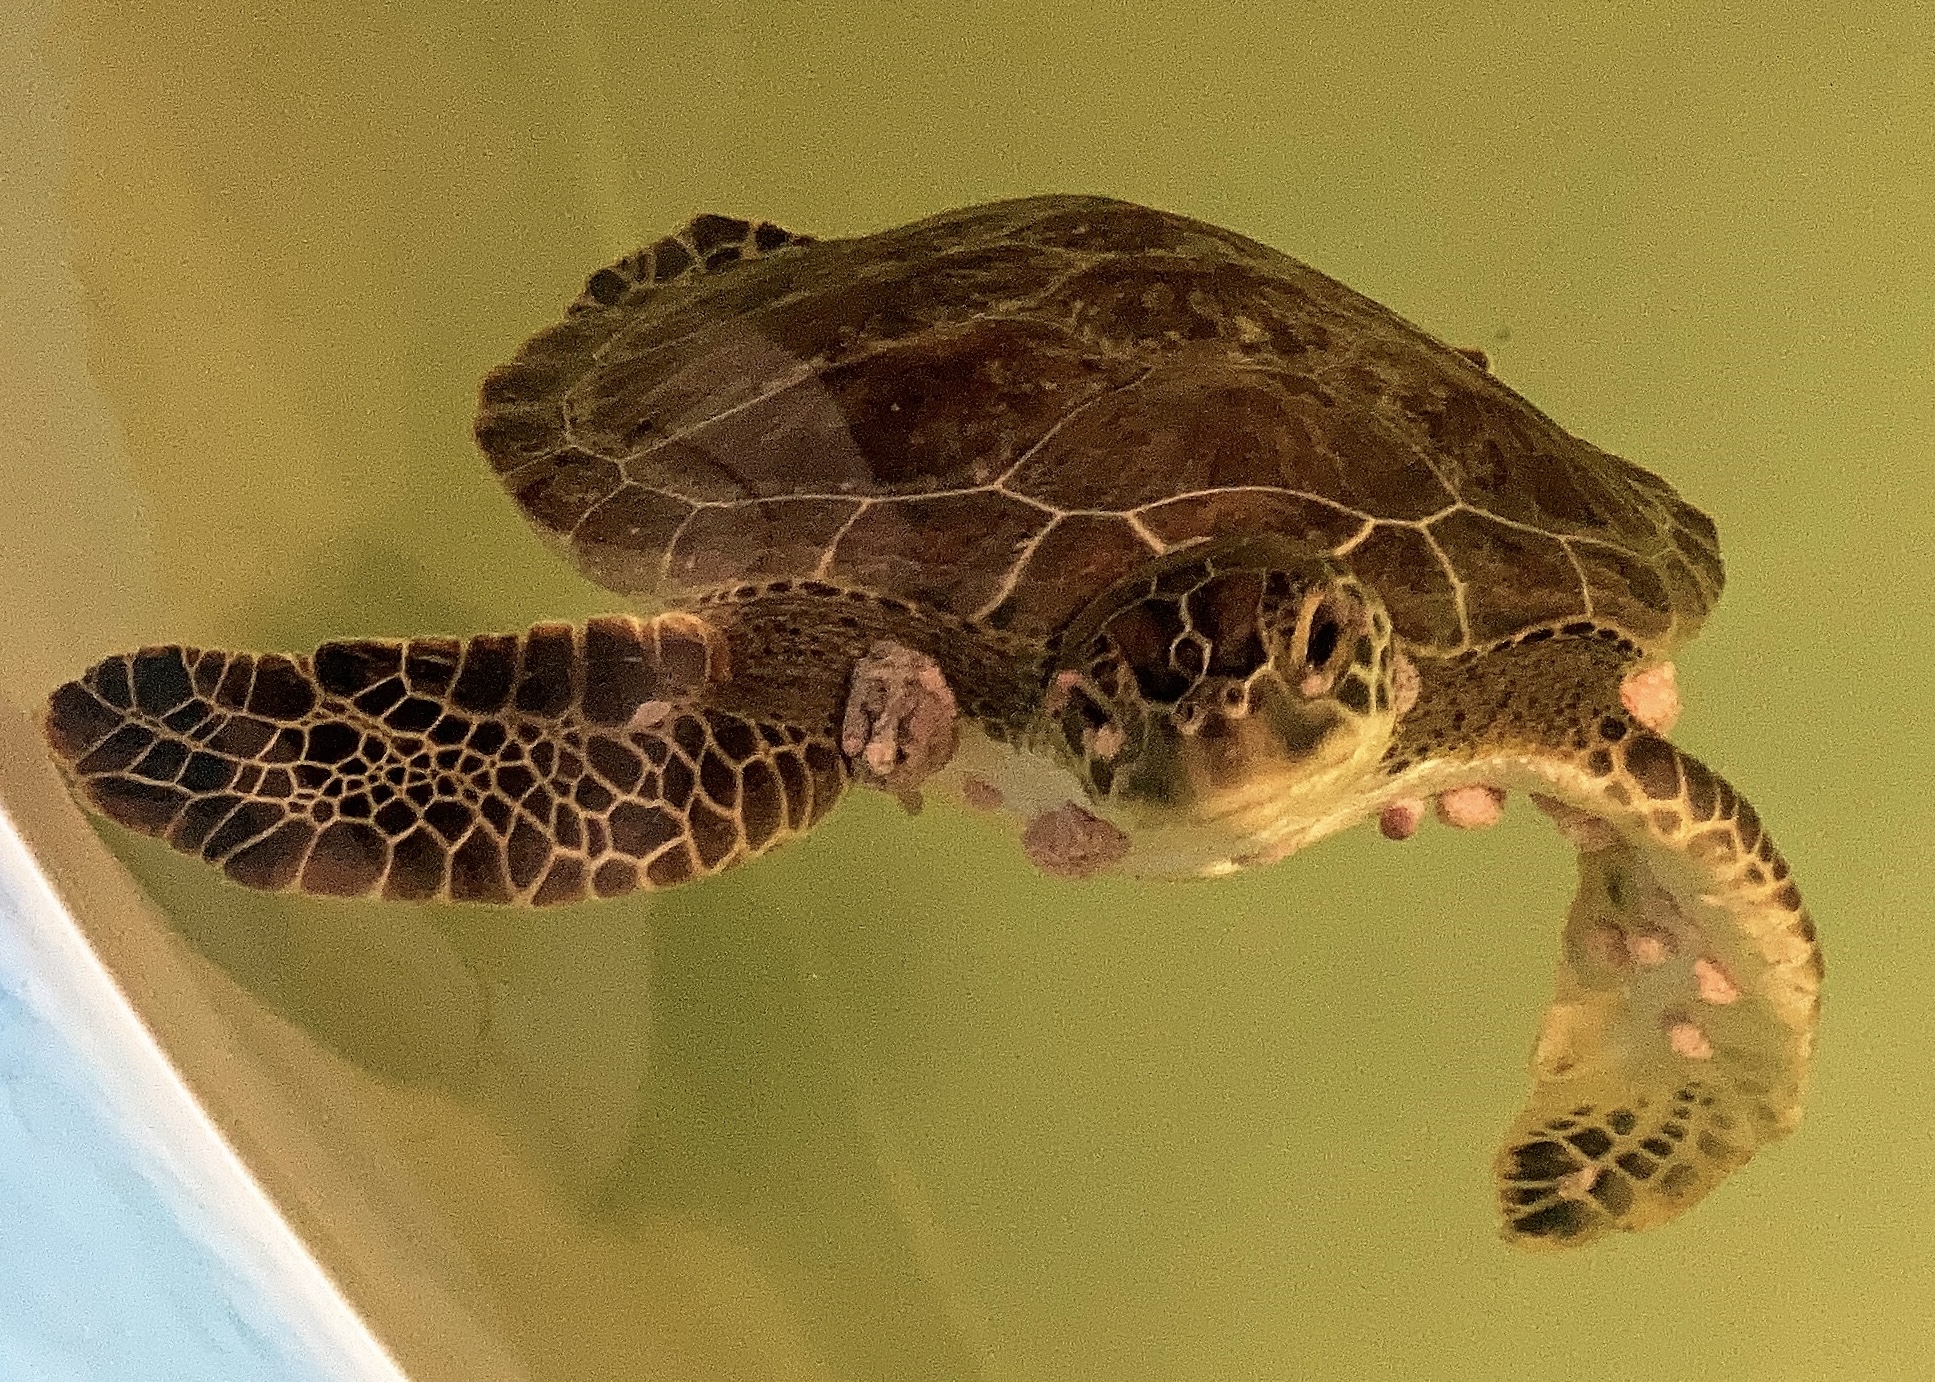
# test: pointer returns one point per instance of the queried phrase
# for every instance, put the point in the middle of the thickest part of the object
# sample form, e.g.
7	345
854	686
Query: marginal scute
620	671
147	806
249	821
161	680
418	864
621	543
477	870
544	685
281	690
110	679
527	851
714	834
489	666
685	655
615	878
380	697
207	672
195	824
558	490
641	831
1628	590
1701	795
237	682
430	664
763	809
117	751
272	862
1542	1160
671	867
77	720
563	882
512	436
795	789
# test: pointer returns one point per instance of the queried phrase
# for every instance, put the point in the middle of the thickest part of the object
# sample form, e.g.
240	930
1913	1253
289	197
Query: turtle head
1240	693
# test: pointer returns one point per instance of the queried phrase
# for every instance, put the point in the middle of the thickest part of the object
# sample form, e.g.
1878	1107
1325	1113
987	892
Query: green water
889	1105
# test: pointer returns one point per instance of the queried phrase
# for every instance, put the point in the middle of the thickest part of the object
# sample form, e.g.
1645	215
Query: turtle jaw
1301	773
1203	793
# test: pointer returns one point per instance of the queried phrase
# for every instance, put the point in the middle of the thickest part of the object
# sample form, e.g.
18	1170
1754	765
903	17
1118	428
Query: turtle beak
1212	744
1273	730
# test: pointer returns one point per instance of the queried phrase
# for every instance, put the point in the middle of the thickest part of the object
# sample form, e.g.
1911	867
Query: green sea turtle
1173	548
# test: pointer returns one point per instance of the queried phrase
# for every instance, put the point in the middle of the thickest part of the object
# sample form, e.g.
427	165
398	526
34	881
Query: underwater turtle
1174	549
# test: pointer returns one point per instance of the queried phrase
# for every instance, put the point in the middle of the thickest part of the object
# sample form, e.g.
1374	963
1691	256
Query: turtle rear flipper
705	244
538	768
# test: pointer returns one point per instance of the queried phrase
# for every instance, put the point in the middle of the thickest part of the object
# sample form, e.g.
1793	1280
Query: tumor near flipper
510	768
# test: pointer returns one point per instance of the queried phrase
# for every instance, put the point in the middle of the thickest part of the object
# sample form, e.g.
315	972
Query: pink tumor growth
1069	842
1689	1041
1715	985
899	724
1405	684
649	716
980	793
1652	696
1467	808
1400	819
1471	808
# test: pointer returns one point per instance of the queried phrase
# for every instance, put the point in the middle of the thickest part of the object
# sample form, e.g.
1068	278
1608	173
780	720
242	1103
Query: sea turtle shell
999	411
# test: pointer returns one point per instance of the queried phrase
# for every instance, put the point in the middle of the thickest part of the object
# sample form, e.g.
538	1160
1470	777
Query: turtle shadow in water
673	1059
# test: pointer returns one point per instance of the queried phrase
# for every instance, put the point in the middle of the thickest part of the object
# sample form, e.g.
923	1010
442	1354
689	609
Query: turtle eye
1324	638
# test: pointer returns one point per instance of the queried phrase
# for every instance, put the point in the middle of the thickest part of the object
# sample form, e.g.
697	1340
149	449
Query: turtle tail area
1679	1039
551	766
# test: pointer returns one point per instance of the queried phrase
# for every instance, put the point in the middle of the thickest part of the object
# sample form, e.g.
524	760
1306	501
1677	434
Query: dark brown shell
1001	410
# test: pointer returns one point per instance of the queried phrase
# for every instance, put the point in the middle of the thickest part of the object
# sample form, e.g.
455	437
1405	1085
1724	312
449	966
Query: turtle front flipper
1679	1038
1688	991
536	768
1689	980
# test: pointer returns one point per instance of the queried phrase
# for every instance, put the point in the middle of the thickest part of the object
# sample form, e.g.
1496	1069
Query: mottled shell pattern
999	411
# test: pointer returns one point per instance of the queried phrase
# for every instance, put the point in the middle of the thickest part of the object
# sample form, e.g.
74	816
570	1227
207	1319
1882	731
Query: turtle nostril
1324	637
